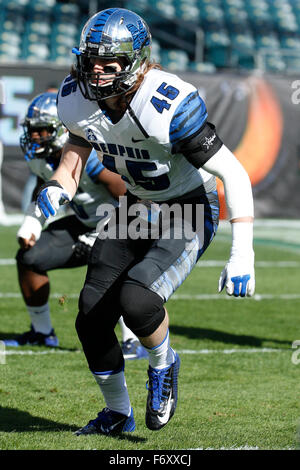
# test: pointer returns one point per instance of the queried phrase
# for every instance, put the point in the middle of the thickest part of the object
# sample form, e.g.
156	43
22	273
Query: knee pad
142	309
30	259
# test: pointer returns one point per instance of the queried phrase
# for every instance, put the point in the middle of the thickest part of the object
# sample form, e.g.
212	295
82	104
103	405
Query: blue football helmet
117	34
42	114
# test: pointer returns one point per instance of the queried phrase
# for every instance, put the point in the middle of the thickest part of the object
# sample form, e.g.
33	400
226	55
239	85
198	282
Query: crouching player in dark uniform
66	242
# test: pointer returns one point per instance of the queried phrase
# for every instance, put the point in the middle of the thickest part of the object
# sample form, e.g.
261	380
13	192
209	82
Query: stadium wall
256	115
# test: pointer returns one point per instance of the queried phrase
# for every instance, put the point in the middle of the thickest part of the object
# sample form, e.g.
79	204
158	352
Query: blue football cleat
108	422
132	349
162	395
33	338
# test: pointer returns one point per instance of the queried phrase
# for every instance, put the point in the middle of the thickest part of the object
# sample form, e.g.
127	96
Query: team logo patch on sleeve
208	142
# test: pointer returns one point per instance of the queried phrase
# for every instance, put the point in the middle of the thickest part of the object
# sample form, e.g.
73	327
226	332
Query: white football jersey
168	110
90	193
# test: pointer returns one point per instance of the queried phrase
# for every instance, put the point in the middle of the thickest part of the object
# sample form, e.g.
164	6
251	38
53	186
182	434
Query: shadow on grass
4	336
223	337
14	420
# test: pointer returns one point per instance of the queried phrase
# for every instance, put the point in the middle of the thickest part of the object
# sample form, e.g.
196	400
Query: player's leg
141	303
106	362
130	344
149	285
52	251
99	312
145	314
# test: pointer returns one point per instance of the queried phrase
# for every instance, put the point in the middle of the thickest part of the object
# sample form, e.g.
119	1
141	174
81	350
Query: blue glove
31	152
50	196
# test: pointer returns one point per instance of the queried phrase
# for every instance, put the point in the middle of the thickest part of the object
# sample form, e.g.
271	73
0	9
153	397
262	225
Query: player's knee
29	259
142	309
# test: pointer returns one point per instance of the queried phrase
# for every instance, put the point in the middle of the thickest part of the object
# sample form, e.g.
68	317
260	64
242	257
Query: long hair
127	96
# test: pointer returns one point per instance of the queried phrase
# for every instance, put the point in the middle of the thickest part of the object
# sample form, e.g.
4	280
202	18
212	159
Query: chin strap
133	116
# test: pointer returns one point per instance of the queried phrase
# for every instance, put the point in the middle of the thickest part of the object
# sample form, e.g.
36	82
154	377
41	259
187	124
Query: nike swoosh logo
164	419
110	428
137	140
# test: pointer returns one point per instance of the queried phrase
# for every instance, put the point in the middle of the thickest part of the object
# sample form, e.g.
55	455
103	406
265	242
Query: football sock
40	318
161	356
114	389
126	332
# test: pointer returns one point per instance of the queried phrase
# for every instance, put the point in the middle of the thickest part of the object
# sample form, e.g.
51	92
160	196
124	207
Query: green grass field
238	386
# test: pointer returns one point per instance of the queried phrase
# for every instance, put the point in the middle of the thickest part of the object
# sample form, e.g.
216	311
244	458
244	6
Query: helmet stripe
139	36
32	106
96	33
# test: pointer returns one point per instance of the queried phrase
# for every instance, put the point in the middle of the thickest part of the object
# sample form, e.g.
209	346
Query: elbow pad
201	146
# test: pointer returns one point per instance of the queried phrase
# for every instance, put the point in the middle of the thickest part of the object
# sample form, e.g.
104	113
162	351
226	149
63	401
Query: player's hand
51	195
84	245
27	243
30	230
238	276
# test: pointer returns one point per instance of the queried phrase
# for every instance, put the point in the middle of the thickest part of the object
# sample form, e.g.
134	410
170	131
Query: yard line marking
10	352
258	264
17	295
256	297
231	351
7	261
236	448
205	263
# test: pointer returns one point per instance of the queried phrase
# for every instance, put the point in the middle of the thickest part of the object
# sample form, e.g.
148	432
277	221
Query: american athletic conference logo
90	135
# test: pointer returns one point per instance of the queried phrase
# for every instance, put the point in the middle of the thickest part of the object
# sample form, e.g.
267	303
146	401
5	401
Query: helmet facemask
44	146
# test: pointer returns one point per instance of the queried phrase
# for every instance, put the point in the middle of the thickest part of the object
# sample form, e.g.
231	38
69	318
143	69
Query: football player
66	242
152	128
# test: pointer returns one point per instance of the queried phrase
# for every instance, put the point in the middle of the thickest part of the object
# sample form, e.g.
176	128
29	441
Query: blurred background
242	55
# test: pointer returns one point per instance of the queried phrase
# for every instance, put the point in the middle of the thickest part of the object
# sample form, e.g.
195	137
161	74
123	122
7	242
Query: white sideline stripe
256	297
236	448
205	263
7	261
10	352
258	264
17	295
231	351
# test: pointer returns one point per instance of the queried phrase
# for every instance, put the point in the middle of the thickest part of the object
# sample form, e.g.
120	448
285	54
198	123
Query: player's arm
31	228
114	183
204	149
238	275
63	185
70	169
